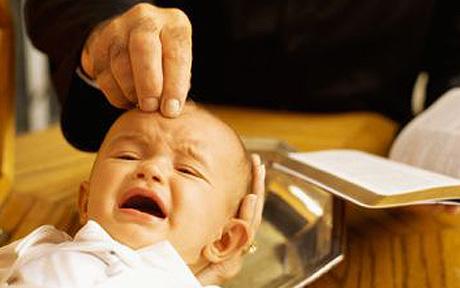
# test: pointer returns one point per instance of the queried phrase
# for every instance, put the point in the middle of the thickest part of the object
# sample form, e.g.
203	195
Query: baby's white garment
50	258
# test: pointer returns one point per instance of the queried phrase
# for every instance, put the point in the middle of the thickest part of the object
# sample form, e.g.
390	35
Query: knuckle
178	23
113	26
148	23
144	17
145	25
112	30
142	9
178	16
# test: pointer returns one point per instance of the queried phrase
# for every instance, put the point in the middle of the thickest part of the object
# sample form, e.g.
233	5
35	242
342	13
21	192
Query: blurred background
36	105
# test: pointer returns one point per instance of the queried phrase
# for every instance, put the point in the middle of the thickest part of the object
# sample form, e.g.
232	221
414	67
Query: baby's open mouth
144	204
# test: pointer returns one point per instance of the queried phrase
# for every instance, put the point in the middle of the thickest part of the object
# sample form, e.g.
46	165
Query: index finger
145	54
176	40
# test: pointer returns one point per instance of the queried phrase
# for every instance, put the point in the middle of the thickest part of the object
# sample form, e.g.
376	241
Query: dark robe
304	55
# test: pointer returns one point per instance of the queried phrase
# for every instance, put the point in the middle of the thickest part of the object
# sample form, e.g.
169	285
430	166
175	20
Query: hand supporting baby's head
178	179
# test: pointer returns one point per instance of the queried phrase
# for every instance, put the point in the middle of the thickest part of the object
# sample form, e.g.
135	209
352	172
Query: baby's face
157	178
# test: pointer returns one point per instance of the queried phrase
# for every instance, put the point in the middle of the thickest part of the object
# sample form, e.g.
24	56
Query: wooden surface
364	131
7	121
385	248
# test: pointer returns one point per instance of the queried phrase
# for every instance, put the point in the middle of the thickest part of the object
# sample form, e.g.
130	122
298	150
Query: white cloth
432	140
86	79
50	258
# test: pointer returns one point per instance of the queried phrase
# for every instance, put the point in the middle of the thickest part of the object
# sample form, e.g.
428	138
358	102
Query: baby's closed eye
192	172
187	170
128	156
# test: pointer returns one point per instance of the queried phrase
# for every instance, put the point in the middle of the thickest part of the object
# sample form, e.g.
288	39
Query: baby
160	205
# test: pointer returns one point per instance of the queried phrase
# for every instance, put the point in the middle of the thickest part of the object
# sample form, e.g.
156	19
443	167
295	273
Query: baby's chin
136	237
192	257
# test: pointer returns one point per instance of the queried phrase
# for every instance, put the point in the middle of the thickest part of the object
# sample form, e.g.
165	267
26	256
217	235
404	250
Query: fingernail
172	107
149	104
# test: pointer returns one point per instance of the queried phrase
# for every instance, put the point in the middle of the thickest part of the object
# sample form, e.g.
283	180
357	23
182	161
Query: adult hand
250	211
142	57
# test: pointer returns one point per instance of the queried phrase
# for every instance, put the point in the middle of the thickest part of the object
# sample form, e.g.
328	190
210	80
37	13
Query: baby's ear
83	195
234	239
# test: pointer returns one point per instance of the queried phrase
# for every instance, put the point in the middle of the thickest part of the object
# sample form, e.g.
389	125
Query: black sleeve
59	28
443	49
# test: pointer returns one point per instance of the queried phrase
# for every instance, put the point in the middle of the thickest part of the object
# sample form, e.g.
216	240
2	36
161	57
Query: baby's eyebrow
133	137
193	150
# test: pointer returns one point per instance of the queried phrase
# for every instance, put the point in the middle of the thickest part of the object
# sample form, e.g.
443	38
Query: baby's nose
145	176
151	171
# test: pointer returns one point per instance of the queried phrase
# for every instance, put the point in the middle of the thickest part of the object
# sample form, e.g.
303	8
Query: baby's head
178	179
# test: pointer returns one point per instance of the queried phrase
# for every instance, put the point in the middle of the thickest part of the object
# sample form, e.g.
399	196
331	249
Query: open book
369	180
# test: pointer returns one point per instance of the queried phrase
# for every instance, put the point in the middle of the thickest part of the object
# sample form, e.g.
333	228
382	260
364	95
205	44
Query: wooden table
385	248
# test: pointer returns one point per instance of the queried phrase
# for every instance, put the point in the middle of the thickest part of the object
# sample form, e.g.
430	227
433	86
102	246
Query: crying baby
159	206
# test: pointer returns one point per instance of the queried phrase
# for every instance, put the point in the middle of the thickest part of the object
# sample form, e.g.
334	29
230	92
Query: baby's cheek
100	212
193	232
197	219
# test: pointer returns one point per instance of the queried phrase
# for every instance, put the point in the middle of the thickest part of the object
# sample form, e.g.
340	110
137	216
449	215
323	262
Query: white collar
160	255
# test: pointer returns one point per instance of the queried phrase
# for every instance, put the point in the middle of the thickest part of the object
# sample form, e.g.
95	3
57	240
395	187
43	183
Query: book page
374	173
432	140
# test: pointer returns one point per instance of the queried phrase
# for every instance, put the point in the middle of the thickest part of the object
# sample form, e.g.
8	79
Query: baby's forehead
191	122
189	113
195	126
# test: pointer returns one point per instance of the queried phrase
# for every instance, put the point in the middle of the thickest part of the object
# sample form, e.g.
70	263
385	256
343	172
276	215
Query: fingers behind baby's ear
248	208
252	205
256	161
258	173
258	189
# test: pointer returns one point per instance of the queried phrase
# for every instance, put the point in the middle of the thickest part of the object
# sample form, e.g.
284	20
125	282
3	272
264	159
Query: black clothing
307	55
